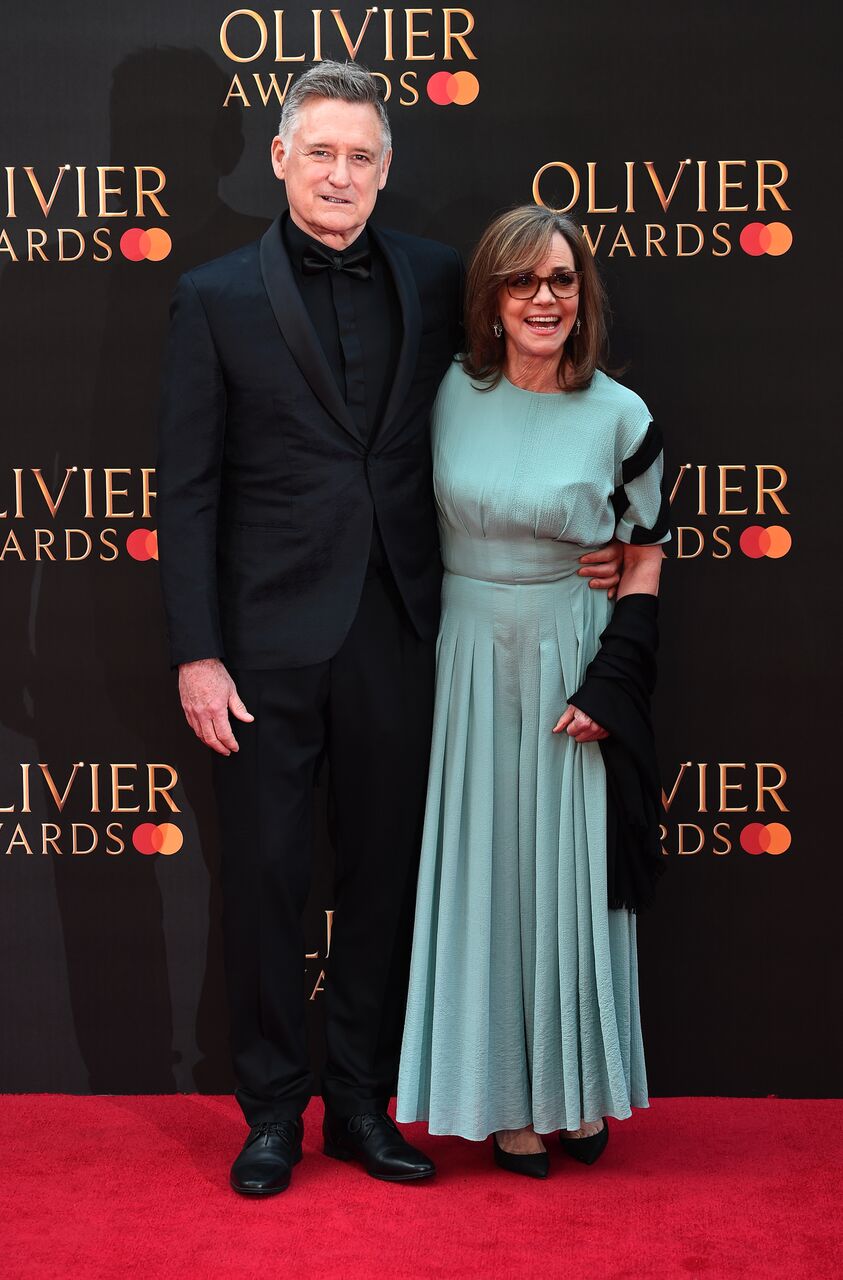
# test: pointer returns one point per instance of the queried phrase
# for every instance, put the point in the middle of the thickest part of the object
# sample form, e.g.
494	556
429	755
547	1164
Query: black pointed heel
533	1165
587	1150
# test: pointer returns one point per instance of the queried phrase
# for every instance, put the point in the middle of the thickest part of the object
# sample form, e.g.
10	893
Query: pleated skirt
523	999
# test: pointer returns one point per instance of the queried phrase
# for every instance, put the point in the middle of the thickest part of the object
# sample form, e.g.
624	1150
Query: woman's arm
642	567
640	574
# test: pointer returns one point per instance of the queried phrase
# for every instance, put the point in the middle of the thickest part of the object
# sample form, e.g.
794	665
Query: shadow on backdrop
87	675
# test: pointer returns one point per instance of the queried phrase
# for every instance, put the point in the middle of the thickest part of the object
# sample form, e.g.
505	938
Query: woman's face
536	328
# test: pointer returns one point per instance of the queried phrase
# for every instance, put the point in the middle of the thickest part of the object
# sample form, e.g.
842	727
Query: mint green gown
523	998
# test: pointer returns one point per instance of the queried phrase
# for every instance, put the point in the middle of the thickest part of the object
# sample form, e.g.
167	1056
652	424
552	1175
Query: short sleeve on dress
642	510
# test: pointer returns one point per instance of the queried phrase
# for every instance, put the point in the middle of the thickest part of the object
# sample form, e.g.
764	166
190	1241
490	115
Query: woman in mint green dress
522	1015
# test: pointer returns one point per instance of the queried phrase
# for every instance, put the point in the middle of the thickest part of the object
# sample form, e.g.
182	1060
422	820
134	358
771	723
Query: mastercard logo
459	87
142	544
150	244
774	541
758	238
149	838
773	837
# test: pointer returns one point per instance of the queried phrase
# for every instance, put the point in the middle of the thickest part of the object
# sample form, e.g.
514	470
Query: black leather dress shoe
535	1164
375	1141
264	1166
587	1150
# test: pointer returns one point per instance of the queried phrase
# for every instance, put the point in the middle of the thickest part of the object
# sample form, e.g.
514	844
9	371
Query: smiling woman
528	1022
534	298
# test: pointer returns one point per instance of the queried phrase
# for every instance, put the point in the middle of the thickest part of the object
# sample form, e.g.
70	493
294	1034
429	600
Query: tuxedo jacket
266	488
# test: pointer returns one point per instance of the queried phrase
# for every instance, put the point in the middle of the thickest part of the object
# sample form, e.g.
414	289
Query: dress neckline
545	395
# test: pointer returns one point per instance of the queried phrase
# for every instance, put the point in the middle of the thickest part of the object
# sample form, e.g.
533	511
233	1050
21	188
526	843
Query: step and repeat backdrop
694	143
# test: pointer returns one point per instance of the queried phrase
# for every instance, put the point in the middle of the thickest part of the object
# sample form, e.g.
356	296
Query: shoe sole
523	1173
337	1153
256	1193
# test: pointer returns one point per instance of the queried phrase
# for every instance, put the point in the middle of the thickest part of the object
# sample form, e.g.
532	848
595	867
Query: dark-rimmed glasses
526	284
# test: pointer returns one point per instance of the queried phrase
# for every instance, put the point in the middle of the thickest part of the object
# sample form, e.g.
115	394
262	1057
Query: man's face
333	169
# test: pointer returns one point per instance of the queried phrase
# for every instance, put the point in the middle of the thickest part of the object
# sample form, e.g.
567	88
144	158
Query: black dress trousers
369	708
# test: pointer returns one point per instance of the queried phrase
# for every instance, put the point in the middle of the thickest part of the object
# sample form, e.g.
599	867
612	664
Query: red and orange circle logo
150	244
459	87
773	238
773	542
165	838
770	837
142	544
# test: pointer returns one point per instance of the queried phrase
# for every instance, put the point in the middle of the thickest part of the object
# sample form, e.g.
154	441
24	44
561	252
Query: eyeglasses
526	284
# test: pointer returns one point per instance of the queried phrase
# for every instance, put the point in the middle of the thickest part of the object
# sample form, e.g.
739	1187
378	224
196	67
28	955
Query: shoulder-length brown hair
517	241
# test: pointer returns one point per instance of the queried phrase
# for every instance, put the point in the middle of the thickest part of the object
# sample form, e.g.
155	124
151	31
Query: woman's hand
580	727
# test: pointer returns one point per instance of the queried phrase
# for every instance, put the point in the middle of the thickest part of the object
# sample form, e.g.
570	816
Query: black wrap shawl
616	693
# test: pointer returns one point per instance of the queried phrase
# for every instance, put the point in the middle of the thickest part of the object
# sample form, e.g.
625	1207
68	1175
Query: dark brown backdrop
110	960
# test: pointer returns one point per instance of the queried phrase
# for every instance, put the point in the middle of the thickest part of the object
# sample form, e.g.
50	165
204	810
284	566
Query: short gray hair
341	81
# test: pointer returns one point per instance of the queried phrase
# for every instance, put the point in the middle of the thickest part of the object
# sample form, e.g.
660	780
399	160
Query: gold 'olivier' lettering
116	788
246	35
93	493
760	487
760	782
558	185
118	191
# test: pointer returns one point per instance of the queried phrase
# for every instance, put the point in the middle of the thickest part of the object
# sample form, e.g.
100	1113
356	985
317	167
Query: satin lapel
297	329
408	297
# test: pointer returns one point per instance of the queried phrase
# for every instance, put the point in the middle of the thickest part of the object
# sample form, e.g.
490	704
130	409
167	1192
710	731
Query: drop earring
578	325
497	327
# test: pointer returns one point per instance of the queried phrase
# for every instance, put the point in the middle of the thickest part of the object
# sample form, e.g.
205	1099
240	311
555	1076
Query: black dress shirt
358	323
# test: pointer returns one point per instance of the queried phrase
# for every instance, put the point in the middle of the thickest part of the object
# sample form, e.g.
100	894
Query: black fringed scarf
616	692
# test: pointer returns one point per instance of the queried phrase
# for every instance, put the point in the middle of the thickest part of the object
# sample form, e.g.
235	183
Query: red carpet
137	1187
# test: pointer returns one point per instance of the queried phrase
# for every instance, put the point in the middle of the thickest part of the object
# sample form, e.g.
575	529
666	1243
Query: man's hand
207	695
580	726
603	567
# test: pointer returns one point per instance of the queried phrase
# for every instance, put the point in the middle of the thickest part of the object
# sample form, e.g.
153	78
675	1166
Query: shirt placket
352	350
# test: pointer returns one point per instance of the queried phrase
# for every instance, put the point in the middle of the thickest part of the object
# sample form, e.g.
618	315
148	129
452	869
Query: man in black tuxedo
301	576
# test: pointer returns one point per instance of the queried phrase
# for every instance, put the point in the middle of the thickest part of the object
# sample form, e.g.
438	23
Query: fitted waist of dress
511	560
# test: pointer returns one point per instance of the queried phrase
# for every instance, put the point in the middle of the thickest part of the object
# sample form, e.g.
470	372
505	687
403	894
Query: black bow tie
357	264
